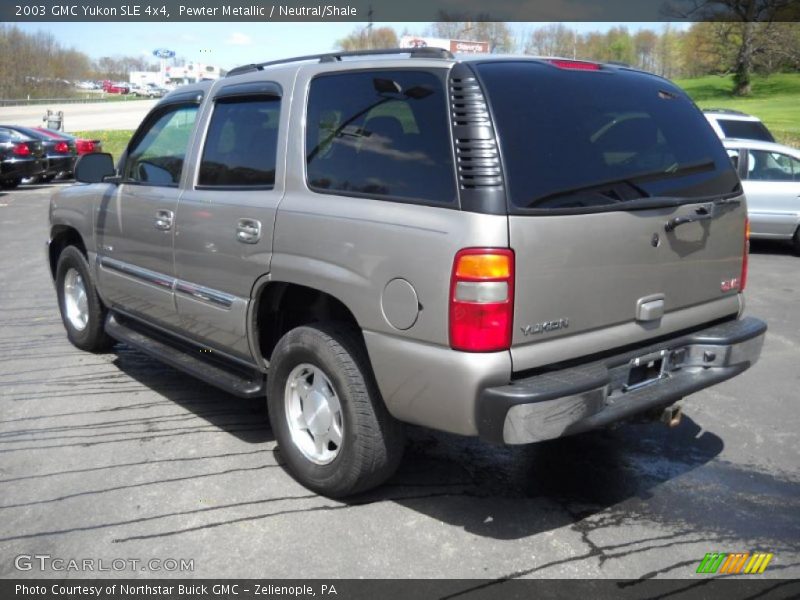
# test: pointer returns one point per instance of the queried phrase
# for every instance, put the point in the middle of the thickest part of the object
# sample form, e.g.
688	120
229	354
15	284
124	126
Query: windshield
579	139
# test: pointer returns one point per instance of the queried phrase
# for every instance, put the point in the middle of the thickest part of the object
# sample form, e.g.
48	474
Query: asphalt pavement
115	456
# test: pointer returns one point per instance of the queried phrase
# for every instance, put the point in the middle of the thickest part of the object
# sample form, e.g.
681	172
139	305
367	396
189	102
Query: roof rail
727	111
337	56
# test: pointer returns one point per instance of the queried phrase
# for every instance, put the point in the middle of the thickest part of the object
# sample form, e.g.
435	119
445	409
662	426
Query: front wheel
82	311
332	427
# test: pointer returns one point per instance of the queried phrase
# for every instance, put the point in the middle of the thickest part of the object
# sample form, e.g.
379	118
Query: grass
114	140
775	99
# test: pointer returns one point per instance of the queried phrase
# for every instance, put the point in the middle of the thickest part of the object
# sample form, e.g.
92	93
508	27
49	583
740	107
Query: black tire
372	440
10	184
92	337
796	242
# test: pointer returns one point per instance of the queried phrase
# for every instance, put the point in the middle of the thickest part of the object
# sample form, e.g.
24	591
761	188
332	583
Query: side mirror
94	167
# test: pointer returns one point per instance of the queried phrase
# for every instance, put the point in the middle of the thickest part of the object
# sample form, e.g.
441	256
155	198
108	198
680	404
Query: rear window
380	134
582	140
747	130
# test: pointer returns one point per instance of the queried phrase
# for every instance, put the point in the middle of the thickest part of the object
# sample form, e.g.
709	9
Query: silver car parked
770	175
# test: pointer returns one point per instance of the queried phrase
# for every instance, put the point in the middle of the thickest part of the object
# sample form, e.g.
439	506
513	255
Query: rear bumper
21	168
592	395
60	164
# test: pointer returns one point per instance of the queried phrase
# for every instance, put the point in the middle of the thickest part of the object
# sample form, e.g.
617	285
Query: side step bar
234	379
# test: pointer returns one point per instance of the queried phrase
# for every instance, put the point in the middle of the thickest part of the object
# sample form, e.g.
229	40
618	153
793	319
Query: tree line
39	66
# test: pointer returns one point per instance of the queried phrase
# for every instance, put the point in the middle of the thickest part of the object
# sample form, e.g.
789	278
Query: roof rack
727	111
337	56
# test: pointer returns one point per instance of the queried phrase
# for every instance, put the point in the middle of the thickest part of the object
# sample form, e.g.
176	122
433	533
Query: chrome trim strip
138	272
215	297
206	294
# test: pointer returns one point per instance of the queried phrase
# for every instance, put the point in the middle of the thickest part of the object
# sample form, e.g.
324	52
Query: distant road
82	117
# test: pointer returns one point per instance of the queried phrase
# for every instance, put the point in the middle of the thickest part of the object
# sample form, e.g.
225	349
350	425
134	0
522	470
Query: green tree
369	38
747	14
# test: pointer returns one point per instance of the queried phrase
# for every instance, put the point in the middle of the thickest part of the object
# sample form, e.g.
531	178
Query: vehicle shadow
244	418
515	492
635	475
503	492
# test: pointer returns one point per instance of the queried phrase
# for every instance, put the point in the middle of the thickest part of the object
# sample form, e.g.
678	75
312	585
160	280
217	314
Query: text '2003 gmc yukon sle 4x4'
511	248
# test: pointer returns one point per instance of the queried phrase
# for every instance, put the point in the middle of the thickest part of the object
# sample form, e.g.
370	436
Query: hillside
775	100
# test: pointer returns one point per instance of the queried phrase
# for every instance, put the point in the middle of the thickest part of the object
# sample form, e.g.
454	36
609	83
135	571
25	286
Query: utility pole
369	28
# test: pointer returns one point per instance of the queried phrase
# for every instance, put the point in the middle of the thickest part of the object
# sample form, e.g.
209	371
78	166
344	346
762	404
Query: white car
148	89
770	175
738	125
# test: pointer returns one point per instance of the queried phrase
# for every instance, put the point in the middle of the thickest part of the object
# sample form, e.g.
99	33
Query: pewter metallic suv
512	248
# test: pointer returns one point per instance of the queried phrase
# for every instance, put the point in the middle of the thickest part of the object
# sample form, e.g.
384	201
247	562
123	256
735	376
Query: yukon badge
545	327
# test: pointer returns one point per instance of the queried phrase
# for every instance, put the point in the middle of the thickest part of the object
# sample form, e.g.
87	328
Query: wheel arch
279	306
62	236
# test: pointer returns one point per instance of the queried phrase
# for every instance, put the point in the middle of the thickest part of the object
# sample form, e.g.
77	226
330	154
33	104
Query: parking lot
117	456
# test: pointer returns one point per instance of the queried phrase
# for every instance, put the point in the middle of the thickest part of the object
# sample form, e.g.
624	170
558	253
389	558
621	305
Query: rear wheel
82	311
11	183
334	431
796	242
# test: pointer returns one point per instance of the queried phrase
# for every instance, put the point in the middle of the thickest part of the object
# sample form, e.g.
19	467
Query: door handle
701	213
248	231
164	219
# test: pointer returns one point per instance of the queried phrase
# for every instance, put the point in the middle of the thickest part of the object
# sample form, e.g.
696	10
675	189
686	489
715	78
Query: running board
234	379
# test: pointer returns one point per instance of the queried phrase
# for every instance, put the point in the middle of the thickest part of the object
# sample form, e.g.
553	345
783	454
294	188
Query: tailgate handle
650	308
701	213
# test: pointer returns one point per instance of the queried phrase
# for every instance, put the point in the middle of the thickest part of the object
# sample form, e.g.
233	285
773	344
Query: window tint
241	144
748	130
157	157
772	166
583	139
382	134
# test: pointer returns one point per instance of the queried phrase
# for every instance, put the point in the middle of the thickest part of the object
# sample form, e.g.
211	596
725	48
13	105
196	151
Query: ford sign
163	53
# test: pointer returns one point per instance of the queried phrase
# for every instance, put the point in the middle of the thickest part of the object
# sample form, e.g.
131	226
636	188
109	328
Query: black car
21	157
60	154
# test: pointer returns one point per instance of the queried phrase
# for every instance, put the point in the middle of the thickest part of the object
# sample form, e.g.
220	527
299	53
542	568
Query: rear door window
772	166
594	140
241	144
380	134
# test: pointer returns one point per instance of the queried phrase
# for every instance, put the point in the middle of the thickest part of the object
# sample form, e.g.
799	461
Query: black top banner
397	10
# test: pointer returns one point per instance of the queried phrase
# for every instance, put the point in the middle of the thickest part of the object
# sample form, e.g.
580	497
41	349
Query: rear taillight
61	147
84	146
578	65
745	255
482	300
22	149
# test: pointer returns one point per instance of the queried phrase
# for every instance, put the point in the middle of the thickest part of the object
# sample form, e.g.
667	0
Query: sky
228	45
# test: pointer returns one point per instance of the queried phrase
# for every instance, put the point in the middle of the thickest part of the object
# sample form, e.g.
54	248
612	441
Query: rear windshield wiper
603	188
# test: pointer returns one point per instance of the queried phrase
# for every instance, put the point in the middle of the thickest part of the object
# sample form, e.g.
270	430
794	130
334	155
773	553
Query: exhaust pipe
672	415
